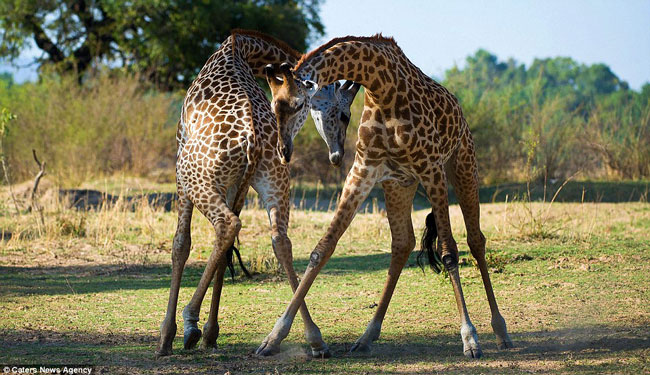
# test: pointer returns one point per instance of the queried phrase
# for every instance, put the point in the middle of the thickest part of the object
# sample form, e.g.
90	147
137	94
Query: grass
91	287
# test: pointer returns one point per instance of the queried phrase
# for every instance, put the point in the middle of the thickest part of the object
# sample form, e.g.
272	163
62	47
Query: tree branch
43	41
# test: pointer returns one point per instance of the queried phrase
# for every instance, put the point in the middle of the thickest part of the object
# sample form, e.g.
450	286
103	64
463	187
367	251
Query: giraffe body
227	138
412	131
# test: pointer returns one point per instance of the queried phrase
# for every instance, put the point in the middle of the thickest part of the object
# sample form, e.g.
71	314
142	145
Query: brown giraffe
227	139
412	131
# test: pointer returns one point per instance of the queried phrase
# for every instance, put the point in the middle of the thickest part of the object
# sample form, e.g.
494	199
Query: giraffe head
330	109
292	100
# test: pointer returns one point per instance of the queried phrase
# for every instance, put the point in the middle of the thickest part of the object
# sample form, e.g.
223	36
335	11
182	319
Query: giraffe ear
271	77
311	87
350	89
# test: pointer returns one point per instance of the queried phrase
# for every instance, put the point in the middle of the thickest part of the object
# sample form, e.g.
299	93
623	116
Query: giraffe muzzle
336	158
285	150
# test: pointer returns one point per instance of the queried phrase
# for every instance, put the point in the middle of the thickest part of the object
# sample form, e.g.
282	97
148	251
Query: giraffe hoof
321	353
504	345
360	347
191	337
167	334
163	352
266	349
208	345
474	353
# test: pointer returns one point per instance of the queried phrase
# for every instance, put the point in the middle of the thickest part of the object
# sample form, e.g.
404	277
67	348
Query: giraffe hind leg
211	326
435	183
227	226
464	177
180	252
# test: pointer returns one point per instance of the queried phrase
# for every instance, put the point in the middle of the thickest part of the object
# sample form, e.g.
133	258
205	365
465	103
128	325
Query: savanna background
563	144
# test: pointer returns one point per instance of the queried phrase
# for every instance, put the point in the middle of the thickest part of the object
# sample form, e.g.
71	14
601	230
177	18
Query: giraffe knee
404	248
410	245
282	247
315	258
476	243
449	254
235	224
450	261
181	247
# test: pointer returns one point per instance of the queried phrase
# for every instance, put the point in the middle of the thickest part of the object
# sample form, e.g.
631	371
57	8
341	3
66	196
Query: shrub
110	123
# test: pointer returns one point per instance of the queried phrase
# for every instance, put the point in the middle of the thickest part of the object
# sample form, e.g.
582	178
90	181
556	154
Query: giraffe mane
377	38
276	42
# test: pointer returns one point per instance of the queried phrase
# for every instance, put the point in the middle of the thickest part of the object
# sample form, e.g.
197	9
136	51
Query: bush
111	123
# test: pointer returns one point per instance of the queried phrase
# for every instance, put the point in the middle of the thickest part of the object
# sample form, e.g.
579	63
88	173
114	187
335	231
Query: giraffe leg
435	184
399	201
180	252
464	177
274	192
358	184
226	225
282	249
211	326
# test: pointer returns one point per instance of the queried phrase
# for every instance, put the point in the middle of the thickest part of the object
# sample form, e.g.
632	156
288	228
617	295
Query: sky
436	35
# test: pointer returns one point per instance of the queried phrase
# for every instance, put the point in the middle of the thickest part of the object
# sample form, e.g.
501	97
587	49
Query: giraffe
412	131
227	138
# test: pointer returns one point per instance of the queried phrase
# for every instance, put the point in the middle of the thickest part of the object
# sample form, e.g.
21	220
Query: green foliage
108	124
169	40
577	117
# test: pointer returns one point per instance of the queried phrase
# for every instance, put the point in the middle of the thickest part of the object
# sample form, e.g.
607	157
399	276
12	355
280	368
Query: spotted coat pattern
412	131
227	137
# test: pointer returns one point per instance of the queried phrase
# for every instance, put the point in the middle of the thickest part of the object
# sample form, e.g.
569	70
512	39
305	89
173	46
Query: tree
167	40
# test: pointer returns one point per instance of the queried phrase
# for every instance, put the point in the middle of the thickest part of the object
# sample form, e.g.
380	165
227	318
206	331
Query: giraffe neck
376	64
260	51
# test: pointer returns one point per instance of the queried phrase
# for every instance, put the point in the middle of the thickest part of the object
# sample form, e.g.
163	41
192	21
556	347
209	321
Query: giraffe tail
232	251
428	242
238	205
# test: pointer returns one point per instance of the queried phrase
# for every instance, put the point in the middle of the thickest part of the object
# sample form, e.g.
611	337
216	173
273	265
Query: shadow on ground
134	353
57	280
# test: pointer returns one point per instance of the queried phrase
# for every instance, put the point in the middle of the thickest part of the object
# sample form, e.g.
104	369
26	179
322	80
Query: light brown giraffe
412	131
227	138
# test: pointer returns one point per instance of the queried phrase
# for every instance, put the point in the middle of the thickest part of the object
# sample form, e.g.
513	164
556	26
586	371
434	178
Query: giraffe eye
345	118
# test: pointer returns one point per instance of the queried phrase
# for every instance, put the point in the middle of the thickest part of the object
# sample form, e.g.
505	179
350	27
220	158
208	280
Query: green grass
575	301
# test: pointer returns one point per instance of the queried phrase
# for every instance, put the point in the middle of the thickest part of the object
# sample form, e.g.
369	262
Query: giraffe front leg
399	201
274	192
282	248
355	191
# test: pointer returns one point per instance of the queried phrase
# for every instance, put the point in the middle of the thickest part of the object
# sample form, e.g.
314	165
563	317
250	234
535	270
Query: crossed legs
358	184
226	225
274	192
